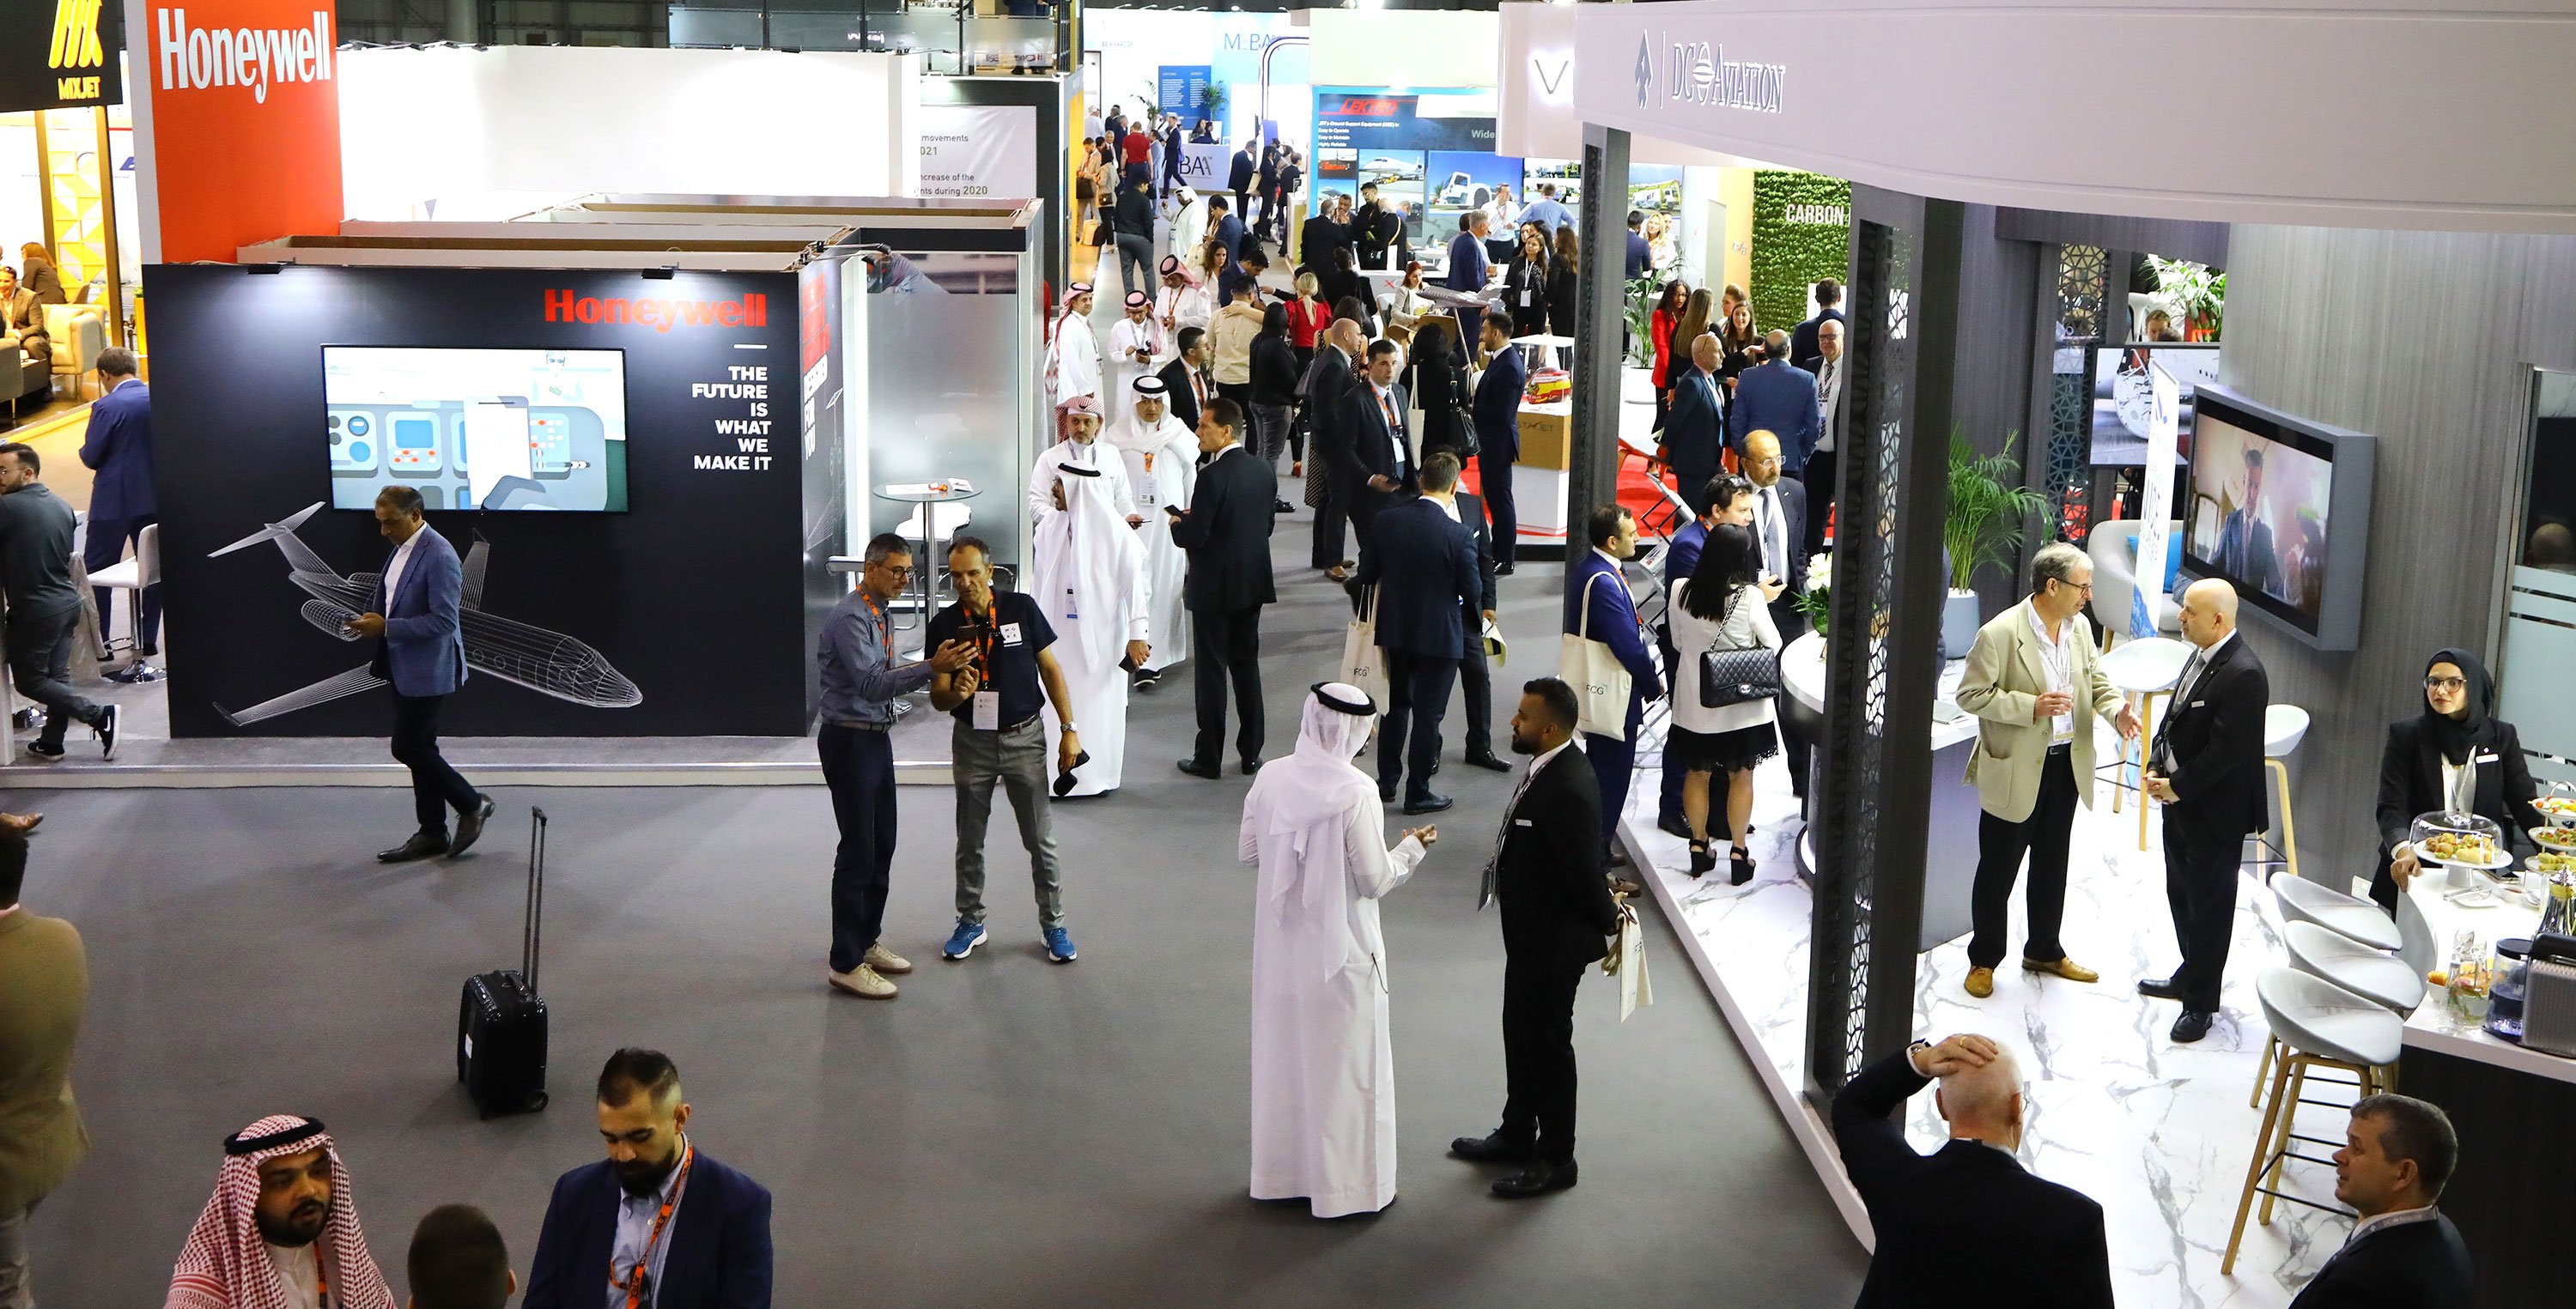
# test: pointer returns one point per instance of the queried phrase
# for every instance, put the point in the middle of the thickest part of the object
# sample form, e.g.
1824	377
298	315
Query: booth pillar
1592	461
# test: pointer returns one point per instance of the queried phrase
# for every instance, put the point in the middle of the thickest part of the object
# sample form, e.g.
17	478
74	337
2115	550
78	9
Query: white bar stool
131	575
2302	901
2319	1025
2284	726
2375	976
2142	669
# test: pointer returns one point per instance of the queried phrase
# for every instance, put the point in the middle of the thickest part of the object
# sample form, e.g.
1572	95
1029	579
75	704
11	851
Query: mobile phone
1172	509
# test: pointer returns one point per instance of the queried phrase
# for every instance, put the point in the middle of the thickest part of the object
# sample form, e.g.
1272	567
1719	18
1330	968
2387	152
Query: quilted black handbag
1732	677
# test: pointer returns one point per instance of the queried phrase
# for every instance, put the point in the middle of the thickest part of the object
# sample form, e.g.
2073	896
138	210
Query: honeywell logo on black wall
751	309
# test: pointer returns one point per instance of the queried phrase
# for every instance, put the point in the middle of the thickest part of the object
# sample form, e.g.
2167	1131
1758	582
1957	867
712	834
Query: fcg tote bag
1363	663
1599	680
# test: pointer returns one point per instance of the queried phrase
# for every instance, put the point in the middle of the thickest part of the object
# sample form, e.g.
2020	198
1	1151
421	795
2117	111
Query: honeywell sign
238	89
751	309
199	57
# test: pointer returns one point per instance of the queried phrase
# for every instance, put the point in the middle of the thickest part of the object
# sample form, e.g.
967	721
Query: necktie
2159	755
1394	427
1775	553
1494	861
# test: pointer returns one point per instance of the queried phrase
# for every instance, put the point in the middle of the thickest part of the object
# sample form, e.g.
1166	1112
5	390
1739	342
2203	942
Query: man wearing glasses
861	681
2034	685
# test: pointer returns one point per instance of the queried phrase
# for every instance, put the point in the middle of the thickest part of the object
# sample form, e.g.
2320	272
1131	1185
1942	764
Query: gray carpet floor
1008	1132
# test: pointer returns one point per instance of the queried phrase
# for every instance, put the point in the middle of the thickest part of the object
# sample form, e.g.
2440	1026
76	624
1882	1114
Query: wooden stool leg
2146	733
2255	1100
2120	785
2289	822
2289	1115
2254	1168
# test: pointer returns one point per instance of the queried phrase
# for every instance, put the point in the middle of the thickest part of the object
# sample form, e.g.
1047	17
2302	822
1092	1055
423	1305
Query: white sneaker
886	961
863	982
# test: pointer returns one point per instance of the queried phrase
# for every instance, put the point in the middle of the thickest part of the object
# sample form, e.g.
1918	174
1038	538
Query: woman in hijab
2453	755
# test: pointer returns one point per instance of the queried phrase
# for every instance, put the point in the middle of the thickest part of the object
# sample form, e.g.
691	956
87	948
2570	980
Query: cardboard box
1546	438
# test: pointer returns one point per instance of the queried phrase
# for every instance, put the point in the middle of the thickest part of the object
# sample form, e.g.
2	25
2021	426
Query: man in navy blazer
1496	413
1429	592
1597	601
118	452
693	1230
418	620
1777	398
1226	229
1695	426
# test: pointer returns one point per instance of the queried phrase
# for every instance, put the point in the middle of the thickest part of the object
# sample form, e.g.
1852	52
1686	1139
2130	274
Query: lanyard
984	636
321	1277
634	1279
885	630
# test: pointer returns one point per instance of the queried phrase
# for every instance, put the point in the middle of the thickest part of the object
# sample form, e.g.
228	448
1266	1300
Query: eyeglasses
2446	683
894	570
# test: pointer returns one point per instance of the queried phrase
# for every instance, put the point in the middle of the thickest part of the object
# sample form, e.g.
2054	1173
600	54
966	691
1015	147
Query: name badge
988	711
1010	633
2197	703
1523	822
2486	758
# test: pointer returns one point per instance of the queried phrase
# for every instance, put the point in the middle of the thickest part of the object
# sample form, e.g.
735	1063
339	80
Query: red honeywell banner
245	121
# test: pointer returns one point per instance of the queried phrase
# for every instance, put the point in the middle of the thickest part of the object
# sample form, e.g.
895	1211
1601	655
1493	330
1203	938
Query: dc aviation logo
1645	70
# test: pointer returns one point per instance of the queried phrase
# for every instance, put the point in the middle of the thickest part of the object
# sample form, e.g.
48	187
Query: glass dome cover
2467	840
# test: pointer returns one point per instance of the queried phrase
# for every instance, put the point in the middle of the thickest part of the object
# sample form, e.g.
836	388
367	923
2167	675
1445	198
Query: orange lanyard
885	630
984	637
634	1279
321	1277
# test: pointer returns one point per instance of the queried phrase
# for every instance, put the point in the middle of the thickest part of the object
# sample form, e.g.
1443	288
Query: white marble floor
2158	1133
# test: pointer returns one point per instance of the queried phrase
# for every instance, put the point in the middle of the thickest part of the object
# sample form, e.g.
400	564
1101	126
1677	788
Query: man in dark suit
1804	350
1380	444
1967	1215
1424	566
1776	398
2403	1253
1475	669
1557	910
1598	603
1239	180
1186	383
417	619
1227	230
1368	245
118	450
676	1226
1226	532
1695	426
1469	269
1833	374
2245	540
1641	253
1496	414
1328	382
2206	765
1780	533
1172	155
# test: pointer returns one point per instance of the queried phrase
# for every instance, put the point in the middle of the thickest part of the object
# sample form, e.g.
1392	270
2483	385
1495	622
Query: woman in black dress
1438	388
1736	339
2452	755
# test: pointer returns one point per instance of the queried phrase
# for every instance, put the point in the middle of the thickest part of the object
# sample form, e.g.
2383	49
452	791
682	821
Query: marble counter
2428	914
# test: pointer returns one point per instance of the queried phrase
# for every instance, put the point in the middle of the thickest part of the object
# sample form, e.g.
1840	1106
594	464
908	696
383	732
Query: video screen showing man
2258	513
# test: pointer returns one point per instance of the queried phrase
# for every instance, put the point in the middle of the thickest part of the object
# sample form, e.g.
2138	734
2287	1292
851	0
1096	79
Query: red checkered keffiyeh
225	1263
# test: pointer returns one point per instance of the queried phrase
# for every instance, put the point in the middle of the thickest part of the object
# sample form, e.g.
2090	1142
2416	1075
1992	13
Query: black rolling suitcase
501	1022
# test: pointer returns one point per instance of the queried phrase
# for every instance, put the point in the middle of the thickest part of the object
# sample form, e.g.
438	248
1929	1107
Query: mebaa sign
193	58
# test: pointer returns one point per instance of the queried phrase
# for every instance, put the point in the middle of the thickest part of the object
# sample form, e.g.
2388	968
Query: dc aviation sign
57	54
1698	73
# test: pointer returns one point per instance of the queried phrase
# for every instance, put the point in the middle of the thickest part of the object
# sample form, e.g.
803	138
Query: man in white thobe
1081	446
1188	235
1323	1069
1090	580
1182	303
1135	342
1162	464
1073	352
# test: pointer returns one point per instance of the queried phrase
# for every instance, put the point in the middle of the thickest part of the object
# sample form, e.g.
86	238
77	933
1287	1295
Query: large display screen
477	428
2261	511
2123	400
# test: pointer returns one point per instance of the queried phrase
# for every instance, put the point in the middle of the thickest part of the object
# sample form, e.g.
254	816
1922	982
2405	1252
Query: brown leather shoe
1981	982
2063	967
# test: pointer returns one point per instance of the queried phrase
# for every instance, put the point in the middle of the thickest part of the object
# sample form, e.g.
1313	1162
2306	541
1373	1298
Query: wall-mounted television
503	429
2123	400
2280	506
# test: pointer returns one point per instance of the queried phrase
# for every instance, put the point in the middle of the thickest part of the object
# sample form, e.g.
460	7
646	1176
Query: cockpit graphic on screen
477	429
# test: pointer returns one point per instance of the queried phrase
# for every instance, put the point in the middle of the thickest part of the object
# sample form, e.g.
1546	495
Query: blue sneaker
963	941
1059	946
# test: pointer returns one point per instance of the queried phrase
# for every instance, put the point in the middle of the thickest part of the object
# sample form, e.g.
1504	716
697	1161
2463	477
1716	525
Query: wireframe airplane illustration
516	652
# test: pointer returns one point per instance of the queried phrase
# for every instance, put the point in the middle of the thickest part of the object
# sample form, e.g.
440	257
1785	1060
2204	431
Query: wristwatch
1914	1056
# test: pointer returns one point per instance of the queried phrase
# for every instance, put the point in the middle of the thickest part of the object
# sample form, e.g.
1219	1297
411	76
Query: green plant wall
1789	257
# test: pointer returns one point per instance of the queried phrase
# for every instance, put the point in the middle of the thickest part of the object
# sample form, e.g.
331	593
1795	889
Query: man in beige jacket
44	984
2034	685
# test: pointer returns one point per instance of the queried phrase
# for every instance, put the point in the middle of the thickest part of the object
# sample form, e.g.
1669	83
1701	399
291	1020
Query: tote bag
1363	663
1600	681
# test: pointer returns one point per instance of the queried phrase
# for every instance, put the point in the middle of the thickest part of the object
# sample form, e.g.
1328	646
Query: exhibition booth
2400	507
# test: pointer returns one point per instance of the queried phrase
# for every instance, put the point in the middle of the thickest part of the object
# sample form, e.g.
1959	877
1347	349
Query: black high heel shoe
1740	869
1702	862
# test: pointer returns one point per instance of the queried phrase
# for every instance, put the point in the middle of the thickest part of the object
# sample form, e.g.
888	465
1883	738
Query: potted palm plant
1988	508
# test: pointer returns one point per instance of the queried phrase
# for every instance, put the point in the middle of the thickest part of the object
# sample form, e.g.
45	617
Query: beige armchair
78	333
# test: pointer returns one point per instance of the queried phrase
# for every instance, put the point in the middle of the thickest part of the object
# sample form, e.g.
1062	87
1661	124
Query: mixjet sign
58	54
1699	73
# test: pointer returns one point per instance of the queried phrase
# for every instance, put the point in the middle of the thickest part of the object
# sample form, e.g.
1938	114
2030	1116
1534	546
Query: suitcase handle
532	935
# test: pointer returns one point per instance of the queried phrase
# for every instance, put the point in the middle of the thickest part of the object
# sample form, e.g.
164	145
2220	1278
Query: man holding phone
994	696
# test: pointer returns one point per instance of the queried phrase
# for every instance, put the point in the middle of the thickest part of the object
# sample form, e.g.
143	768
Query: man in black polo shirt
995	699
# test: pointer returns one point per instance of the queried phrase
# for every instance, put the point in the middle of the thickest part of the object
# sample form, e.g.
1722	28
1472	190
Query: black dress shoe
1282	507
469	824
422	845
2193	1025
1502	570
1251	766
1539	1178
1673	827
1195	769
2159	988
1486	759
1494	1149
1386	793
1427	803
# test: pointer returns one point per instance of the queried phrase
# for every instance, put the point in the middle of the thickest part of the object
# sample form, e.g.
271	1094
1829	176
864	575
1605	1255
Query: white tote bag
1600	681
1363	663
1635	992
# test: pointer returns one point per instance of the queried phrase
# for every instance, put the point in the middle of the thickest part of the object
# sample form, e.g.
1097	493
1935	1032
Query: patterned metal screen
2068	468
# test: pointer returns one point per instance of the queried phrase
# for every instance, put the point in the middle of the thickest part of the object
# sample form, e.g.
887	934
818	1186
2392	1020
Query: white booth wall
1134	45
466	133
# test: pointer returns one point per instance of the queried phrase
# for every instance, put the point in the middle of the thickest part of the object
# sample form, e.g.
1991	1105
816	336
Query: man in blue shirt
1598	605
118	450
995	697
1469	270
860	681
1546	212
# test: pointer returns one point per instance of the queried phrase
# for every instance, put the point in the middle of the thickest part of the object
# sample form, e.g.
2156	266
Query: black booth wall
695	594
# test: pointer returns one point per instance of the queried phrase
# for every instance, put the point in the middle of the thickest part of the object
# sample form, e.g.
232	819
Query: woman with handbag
1439	389
1722	717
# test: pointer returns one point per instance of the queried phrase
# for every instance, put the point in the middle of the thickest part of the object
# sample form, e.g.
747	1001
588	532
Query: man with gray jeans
995	699
44	610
